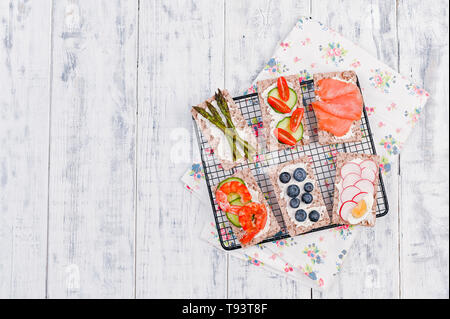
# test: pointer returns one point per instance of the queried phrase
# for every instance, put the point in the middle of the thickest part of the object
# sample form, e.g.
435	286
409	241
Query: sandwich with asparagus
228	134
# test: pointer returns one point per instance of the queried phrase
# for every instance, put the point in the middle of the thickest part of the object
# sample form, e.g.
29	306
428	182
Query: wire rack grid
323	159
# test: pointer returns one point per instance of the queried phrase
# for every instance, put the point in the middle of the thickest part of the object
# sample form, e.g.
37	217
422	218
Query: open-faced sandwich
299	196
282	112
250	216
355	189
225	129
338	107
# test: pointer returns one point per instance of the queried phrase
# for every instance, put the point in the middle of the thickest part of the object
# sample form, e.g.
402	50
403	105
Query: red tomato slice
283	88
296	119
278	105
284	136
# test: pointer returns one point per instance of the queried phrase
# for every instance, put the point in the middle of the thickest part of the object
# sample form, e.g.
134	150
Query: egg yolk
360	209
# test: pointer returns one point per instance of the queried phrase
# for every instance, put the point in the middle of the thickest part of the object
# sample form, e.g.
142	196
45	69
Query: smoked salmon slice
337	105
347	106
329	89
330	123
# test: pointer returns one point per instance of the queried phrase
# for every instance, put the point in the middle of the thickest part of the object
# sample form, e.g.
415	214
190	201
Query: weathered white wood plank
180	64
371	268
92	158
24	110
253	31
423	35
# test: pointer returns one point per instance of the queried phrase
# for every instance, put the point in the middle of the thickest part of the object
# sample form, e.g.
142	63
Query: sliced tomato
296	119
284	136
278	105
283	88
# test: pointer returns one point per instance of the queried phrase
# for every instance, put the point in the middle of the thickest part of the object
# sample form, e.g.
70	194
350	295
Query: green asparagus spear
223	105
231	141
227	131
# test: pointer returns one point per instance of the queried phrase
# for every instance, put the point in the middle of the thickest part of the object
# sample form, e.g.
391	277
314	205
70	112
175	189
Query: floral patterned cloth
312	259
393	105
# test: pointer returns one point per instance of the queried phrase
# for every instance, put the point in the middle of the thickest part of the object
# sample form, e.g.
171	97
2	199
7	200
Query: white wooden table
93	95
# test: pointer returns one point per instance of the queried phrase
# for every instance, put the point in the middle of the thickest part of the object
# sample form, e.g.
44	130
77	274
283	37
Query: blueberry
285	177
314	216
300	215
308	187
307	198
293	191
294	203
299	174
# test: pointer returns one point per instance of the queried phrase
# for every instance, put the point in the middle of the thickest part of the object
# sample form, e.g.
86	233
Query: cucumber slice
233	197
234	219
292	97
230	179
237	202
284	124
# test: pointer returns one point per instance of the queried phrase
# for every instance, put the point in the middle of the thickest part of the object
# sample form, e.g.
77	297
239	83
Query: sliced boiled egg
360	209
356	212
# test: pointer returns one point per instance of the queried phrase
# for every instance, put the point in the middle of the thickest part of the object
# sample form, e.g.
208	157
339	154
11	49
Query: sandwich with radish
355	190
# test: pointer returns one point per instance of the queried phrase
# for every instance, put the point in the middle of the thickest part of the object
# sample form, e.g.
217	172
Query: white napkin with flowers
393	105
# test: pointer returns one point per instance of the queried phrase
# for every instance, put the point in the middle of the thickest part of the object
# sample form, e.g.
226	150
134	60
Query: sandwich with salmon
338	107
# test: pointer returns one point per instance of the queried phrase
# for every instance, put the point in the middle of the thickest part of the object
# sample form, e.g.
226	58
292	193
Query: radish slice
350	168
358	197
350	179
365	186
368	163
346	208
367	173
349	192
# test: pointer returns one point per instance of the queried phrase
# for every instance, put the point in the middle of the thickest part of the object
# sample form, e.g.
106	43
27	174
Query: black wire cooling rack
323	158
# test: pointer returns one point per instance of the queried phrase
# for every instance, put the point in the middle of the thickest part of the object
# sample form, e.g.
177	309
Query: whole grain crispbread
272	143
292	228
246	175
326	138
238	121
341	159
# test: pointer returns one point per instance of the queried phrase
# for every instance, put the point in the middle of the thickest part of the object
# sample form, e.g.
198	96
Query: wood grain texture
92	158
95	133
371	268
253	31
180	65
25	30
424	209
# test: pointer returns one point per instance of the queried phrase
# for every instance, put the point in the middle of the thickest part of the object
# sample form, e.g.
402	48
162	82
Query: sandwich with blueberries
299	197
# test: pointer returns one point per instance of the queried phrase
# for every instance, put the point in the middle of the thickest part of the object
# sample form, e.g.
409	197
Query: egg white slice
347	214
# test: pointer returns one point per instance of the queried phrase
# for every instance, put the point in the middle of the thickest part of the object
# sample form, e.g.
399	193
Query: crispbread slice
341	159
238	121
272	143
292	228
325	137
246	175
